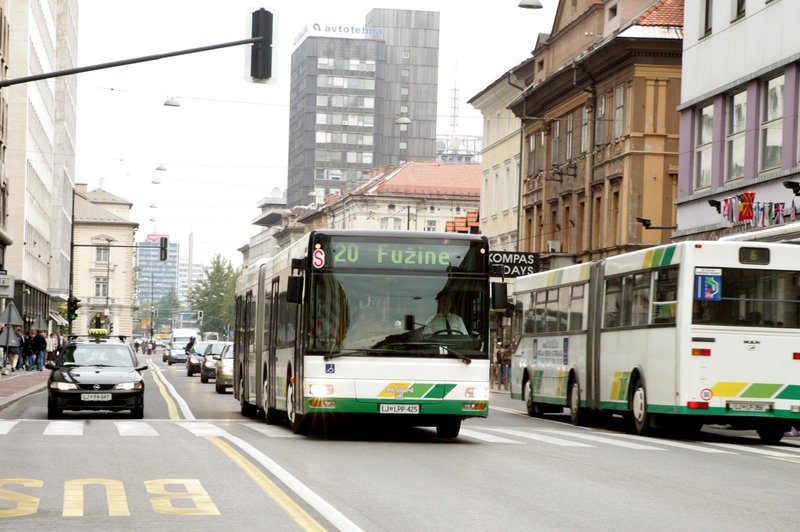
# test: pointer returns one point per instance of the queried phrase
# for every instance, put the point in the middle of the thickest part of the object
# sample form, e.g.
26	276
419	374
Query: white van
180	337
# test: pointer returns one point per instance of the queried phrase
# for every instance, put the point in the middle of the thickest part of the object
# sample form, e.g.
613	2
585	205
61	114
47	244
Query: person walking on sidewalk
39	345
27	351
14	351
52	345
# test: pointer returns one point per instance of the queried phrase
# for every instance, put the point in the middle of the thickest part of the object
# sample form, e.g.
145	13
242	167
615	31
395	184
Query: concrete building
188	276
38	152
103	260
415	197
361	102
155	278
739	155
601	130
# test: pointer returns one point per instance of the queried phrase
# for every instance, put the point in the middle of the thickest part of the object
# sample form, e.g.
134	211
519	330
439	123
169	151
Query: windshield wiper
450	351
357	351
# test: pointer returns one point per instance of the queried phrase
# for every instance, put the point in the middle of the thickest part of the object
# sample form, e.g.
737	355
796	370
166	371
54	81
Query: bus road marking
754	450
542	438
135	428
490	438
602	439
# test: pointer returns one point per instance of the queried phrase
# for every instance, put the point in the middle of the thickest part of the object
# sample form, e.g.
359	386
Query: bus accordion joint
697	352
697	405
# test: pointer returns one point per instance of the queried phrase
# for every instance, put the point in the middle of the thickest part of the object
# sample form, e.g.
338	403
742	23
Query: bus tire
246	408
271	415
639	414
771	434
448	428
574	403
534	409
296	421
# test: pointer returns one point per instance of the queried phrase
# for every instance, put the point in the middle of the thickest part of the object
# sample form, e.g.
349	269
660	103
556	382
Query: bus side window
612	307
665	302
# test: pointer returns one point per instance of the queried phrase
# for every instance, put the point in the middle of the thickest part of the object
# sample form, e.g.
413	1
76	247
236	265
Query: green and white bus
682	335
336	324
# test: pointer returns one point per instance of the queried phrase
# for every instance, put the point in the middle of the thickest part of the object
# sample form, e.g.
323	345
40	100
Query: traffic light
72	308
164	245
110	328
261	53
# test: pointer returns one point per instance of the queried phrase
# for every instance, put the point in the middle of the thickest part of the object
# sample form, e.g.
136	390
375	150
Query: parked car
176	355
224	368
96	375
195	359
209	367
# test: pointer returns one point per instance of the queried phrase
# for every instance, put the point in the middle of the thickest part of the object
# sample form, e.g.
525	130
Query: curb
11	399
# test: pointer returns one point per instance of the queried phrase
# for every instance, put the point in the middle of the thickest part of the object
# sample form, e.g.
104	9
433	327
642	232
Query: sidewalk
18	384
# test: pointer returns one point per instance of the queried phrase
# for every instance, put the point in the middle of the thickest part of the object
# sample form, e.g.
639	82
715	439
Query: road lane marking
6	426
170	395
508	410
754	450
64	428
541	438
334	516
670	443
203	429
272	431
490	438
601	439
135	428
300	516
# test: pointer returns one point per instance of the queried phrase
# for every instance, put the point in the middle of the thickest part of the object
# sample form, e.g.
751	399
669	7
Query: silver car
224	377
176	355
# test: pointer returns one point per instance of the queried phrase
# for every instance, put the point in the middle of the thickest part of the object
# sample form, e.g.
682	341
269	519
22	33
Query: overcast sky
226	146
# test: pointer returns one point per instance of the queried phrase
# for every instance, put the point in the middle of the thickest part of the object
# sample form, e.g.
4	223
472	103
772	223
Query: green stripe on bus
713	411
761	390
669	252
790	392
657	254
438	391
354	406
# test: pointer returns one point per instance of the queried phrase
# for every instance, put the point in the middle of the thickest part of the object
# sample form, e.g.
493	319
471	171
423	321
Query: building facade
155	278
740	146
600	126
361	103
103	261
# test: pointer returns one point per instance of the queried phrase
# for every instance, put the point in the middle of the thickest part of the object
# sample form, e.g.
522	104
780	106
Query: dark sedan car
195	359
95	376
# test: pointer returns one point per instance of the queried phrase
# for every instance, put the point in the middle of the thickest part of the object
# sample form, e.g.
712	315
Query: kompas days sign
515	263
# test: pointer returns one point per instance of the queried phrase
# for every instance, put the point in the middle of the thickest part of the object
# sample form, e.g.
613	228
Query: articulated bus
676	336
337	324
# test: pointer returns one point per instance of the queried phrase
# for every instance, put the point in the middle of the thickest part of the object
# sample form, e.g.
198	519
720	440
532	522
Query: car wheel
189	373
169	362
137	413
220	389
203	377
53	412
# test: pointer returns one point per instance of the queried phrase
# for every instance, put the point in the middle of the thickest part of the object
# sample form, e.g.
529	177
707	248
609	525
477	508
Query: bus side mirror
499	297
294	290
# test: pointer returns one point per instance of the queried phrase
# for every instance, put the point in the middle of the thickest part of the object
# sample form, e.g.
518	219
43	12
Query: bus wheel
534	409
271	415
295	419
771	434
448	428
244	407
641	419
575	403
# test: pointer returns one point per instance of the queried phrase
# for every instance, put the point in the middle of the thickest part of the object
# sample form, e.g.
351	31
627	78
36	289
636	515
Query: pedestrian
27	351
505	361
15	351
39	348
59	343
497	364
52	345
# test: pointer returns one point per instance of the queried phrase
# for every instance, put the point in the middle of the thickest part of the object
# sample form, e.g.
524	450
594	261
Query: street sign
515	263
10	315
6	286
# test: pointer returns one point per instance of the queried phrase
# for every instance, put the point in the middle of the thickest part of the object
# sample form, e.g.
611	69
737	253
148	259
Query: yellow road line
171	406
300	516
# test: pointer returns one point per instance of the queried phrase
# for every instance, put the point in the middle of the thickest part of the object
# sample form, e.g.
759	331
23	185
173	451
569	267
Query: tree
214	295
167	306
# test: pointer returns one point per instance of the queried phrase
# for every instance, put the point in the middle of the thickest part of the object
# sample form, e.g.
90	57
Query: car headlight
63	386
211	363
129	386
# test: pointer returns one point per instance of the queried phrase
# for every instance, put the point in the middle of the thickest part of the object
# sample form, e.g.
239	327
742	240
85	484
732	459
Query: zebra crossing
559	437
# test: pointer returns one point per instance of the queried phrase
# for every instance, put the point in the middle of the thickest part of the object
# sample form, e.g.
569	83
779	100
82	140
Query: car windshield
228	353
216	349
103	355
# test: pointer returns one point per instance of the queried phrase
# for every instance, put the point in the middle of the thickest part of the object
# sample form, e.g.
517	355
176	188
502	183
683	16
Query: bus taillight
697	405
697	352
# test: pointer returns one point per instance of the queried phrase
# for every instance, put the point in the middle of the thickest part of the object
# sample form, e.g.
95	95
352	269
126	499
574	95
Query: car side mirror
142	367
50	366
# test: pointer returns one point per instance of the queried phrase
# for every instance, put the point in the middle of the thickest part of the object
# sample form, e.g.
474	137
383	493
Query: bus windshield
752	298
408	313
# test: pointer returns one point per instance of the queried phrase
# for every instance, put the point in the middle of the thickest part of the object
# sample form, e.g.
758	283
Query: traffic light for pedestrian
261	52
164	245
72	308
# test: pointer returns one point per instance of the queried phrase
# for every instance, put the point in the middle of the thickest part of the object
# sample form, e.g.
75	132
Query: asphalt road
194	461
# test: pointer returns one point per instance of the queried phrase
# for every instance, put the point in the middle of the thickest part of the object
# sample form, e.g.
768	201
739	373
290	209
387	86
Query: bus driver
445	321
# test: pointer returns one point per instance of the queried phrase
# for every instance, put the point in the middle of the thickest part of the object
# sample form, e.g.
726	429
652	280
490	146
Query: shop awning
56	317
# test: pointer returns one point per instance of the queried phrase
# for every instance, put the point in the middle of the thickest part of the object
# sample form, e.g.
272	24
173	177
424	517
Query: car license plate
744	406
95	397
399	409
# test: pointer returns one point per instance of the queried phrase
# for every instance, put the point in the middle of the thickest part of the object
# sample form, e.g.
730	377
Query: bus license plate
399	409
744	406
95	397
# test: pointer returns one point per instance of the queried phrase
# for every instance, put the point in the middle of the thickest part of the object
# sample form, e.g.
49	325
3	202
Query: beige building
600	148
103	261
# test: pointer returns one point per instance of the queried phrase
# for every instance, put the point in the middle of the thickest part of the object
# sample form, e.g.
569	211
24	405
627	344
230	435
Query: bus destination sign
515	263
387	255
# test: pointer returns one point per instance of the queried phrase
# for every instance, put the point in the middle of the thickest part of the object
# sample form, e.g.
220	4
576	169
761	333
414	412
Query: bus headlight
320	390
480	393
